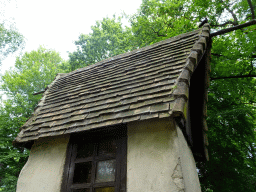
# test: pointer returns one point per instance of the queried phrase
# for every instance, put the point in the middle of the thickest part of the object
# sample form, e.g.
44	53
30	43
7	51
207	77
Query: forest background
231	95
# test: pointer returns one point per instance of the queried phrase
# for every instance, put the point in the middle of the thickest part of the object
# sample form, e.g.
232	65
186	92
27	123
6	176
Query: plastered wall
44	168
159	159
188	165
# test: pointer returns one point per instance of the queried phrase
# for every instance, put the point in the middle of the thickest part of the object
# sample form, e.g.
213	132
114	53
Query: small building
135	122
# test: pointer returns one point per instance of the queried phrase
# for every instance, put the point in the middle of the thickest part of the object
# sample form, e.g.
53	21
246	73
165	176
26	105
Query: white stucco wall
44	168
188	165
159	159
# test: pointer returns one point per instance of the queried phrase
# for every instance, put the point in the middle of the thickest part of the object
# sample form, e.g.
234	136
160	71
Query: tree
108	38
231	106
10	41
11	159
32	73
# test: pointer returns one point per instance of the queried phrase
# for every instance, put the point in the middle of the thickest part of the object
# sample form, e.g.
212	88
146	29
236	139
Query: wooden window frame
117	133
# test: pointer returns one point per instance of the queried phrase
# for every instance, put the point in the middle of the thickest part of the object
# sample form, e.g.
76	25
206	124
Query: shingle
93	114
77	118
159	107
181	89
142	110
203	42
193	57
164	115
190	66
146	102
125	114
111	122
26	134
129	119
198	48
33	128
148	116
180	107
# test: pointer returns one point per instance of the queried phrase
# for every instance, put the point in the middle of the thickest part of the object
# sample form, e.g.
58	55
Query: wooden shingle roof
151	82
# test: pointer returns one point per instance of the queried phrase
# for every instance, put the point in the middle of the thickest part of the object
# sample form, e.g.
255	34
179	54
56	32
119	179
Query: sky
56	24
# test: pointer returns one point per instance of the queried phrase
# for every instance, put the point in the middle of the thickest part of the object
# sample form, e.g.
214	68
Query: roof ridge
126	54
182	84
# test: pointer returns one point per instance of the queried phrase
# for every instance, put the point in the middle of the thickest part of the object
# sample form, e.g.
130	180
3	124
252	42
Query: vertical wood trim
207	84
118	164
94	166
65	178
123	177
72	167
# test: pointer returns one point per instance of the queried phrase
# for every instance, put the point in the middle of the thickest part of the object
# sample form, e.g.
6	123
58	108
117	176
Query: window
97	162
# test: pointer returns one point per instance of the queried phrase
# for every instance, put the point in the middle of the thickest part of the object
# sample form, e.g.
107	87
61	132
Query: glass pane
105	189
81	190
84	150
106	171
82	173
107	148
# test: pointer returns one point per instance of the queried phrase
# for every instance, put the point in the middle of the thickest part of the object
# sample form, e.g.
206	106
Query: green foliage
157	20
108	38
10	41
231	135
11	159
231	115
32	73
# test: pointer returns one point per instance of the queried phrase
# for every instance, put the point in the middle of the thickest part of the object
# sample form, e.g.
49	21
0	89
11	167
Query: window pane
105	189
81	190
106	171
107	148
82	172
84	150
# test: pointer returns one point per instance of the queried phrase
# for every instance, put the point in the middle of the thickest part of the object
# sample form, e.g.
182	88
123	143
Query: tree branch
253	22
157	32
40	92
233	77
232	13
251	7
252	68
220	55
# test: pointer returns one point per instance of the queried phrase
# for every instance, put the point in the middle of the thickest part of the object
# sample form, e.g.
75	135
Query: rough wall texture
177	177
44	168
188	165
156	160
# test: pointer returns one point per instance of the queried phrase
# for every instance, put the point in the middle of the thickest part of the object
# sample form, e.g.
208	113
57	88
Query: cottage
131	123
